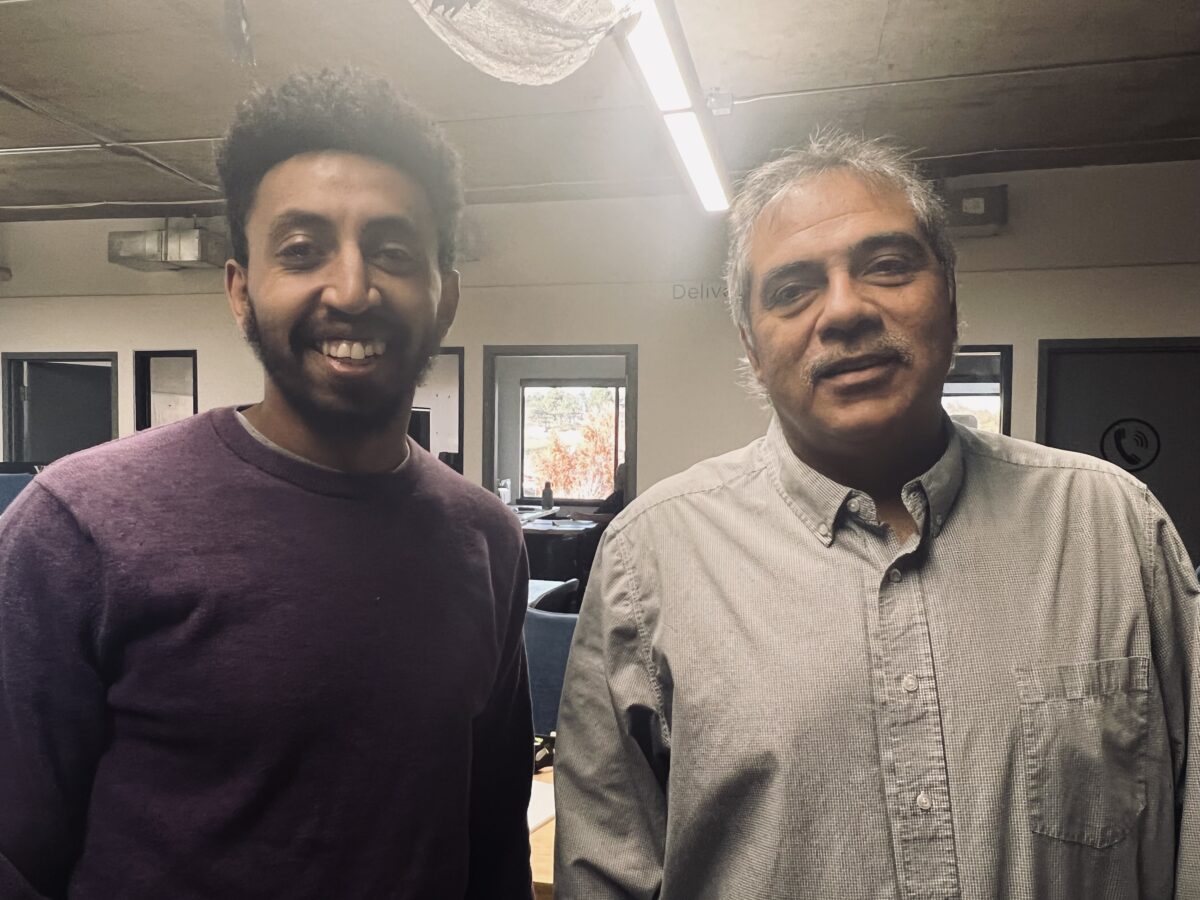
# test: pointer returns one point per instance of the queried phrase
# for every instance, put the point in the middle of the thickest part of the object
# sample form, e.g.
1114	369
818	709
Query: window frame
616	383
141	382
9	387
1005	353
494	352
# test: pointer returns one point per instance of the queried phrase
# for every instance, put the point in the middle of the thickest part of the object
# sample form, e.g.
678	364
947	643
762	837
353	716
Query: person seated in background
277	651
874	653
614	502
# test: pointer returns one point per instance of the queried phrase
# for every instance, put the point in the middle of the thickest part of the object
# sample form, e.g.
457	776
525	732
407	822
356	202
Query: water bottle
547	497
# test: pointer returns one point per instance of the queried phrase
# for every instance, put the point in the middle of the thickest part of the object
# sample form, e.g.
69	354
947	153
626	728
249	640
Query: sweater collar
311	477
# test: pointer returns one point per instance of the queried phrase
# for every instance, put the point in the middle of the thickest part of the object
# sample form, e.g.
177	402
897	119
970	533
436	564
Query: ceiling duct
168	250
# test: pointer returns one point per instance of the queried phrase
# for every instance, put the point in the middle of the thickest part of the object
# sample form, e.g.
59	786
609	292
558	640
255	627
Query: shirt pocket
1084	727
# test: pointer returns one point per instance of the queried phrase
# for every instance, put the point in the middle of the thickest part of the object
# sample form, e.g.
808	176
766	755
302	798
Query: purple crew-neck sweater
225	673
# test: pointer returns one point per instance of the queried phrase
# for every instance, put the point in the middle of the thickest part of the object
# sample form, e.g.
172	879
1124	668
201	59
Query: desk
561	549
527	514
541	851
543	525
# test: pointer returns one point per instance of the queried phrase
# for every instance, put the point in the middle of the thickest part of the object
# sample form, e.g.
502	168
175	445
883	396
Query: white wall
228	372
1100	252
1088	253
439	394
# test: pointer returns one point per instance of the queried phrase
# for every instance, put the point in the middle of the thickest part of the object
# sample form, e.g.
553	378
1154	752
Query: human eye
892	268
791	294
394	257
299	252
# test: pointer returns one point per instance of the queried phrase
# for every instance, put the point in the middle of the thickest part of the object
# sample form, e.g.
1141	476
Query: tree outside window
573	436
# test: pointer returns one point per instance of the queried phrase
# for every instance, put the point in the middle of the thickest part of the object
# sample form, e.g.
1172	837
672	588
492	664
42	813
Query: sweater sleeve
502	767
52	697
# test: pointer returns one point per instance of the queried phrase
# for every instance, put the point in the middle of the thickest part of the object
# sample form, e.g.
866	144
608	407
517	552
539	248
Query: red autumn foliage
586	470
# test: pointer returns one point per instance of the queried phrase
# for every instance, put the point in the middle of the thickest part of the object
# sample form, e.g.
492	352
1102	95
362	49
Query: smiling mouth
351	351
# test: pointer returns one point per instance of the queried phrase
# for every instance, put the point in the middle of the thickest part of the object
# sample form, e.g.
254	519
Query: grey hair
829	149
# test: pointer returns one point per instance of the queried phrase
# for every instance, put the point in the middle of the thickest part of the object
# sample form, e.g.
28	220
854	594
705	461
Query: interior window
978	390
563	414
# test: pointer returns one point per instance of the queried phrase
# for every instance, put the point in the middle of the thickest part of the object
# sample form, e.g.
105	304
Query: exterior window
573	436
978	391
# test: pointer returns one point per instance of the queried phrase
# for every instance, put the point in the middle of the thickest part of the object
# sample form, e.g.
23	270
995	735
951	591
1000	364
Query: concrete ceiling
974	86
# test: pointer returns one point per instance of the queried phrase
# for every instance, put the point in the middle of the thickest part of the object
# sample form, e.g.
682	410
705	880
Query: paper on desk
541	805
559	525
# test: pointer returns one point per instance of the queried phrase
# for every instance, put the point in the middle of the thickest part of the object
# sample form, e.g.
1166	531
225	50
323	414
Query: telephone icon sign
1132	444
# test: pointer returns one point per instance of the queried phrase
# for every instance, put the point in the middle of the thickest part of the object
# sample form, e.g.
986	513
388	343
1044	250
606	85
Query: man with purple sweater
276	652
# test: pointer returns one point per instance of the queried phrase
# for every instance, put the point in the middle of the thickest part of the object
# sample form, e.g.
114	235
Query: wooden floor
541	845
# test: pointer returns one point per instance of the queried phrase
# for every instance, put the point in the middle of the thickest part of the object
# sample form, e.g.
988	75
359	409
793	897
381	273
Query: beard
351	410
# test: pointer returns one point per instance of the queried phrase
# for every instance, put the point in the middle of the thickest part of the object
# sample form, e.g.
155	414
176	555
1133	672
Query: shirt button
924	804
823	529
909	682
895	575
853	505
939	519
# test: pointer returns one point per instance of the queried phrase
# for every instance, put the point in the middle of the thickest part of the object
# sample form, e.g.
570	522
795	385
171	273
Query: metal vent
168	251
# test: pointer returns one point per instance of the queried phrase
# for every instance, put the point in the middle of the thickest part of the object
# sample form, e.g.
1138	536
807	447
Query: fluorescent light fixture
65	148
652	49
697	159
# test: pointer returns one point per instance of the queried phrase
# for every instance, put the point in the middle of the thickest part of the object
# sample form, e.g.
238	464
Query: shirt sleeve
52	696
612	751
502	768
1175	603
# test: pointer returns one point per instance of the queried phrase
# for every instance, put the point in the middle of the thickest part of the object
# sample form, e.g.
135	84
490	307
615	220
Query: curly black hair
345	111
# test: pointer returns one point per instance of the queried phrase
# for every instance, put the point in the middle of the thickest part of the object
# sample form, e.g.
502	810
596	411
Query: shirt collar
944	479
818	500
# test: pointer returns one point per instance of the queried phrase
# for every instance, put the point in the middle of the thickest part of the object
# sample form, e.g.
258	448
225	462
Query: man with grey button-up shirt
874	654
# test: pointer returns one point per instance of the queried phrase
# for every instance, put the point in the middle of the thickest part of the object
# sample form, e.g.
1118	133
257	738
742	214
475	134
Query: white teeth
353	349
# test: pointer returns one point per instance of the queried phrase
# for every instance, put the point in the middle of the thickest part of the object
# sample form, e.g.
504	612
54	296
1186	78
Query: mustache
373	325
885	348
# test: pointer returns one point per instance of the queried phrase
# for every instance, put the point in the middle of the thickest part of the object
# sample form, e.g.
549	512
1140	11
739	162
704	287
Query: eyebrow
899	240
814	271
402	226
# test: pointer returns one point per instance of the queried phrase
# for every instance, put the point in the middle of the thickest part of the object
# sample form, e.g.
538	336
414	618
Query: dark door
1135	403
65	407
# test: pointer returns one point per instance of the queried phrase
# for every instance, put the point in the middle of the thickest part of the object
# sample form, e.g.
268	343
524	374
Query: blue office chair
547	644
10	486
554	596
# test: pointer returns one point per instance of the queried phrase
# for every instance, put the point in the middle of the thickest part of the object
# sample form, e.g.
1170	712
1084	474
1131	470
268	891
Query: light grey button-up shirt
770	697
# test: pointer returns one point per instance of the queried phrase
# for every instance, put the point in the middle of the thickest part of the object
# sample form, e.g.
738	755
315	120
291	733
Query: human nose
348	287
847	312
